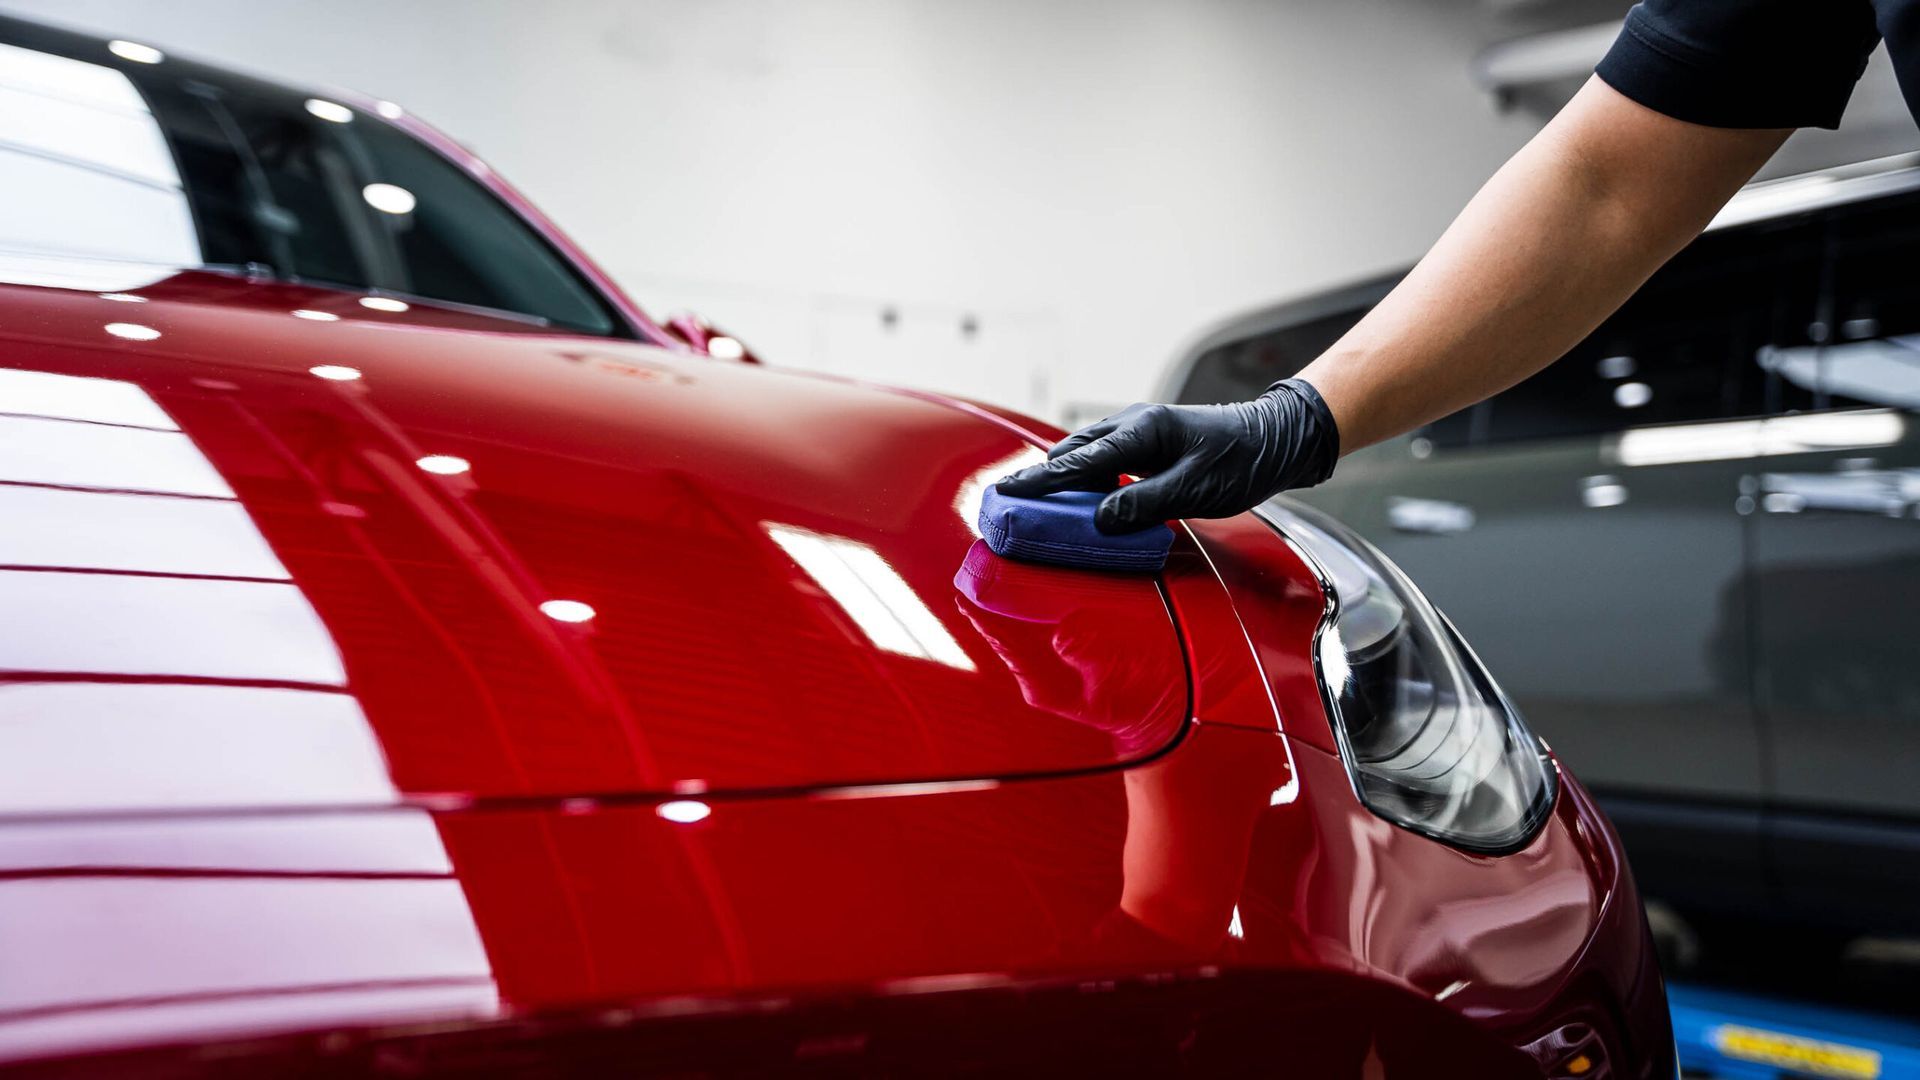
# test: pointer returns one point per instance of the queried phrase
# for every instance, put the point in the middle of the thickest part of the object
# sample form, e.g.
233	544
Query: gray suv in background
1691	547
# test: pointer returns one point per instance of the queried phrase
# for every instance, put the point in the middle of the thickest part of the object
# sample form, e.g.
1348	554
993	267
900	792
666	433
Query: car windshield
113	151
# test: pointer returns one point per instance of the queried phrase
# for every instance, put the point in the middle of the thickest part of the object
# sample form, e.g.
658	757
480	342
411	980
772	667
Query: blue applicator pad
1059	529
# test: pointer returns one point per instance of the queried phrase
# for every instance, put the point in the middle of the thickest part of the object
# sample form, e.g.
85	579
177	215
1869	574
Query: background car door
1581	530
1836	574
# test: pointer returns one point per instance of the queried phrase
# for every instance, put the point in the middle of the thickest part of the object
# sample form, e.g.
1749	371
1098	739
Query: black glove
1200	461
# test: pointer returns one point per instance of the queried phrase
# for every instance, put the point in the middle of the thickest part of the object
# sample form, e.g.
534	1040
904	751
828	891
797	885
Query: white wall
1093	181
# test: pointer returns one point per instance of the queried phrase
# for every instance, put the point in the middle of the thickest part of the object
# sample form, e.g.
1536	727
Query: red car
415	660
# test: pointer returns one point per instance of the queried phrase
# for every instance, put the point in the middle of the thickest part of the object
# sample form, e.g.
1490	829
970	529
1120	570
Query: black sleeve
1743	63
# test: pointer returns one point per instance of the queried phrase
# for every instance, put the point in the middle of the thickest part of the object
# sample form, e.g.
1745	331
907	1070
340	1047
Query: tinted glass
1241	369
1862	345
1686	347
180	164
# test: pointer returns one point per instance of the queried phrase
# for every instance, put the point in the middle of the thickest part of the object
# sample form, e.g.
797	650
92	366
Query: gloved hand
1199	461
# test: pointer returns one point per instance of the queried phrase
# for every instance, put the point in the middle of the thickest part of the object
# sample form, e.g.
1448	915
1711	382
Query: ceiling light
132	331
136	52
335	372
316	316
444	464
389	198
331	111
572	611
683	811
383	303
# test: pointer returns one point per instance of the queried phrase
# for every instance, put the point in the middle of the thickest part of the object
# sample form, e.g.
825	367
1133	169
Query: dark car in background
1691	547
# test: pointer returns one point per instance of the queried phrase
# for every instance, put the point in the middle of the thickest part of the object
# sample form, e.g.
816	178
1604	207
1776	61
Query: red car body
310	772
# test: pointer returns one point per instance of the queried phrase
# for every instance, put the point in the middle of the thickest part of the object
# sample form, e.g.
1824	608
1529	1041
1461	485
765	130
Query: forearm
1556	241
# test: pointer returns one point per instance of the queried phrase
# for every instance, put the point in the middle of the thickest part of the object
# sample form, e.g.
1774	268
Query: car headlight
1429	739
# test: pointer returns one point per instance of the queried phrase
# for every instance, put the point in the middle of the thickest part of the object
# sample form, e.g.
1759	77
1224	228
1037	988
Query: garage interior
1064	207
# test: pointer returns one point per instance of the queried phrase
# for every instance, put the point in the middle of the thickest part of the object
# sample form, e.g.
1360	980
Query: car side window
1684	348
1861	347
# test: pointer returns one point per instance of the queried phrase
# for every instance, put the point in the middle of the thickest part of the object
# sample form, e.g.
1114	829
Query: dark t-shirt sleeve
1743	63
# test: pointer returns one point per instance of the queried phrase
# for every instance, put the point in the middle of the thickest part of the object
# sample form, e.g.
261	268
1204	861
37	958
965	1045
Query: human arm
1552	244
1555	242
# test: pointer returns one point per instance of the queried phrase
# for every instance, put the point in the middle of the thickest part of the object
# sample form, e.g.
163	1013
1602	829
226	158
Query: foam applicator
1059	529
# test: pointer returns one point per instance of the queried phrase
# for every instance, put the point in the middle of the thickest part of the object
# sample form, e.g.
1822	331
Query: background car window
1684	348
1861	345
1241	369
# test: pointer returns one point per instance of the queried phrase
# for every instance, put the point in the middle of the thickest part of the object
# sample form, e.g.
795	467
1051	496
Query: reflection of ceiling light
136	52
335	372
389	198
911	789
1632	395
1809	432
444	464
1600	492
383	303
1335	667
1615	367
389	110
873	594
1774	197
330	110
683	811
132	331
1775	436
966	501
1286	792
123	298
567	611
722	347
73	397
316	316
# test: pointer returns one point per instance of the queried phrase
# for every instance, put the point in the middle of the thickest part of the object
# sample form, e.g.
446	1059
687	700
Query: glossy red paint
425	667
313	724
766	615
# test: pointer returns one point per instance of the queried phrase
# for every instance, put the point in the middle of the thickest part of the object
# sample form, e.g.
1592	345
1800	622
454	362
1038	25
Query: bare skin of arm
1555	242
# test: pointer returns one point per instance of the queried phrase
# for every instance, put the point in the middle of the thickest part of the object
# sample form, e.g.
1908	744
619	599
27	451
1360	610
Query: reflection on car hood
262	558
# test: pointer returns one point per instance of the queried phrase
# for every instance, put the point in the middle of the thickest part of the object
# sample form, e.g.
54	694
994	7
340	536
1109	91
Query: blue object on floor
1722	1033
1059	529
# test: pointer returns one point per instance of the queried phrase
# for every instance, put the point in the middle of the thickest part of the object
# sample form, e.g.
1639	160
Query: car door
1581	530
1836	575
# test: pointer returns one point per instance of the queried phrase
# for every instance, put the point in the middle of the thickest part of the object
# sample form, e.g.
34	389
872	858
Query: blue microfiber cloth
1059	529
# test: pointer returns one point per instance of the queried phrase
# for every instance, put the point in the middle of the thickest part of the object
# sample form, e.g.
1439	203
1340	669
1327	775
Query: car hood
270	547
